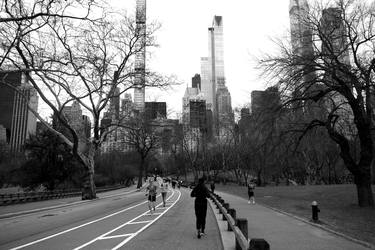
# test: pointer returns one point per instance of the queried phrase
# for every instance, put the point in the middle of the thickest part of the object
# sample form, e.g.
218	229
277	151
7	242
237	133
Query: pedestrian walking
250	192
213	186
201	193
151	193
164	190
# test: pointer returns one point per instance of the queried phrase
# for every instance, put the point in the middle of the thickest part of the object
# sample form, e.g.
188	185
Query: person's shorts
152	198
251	194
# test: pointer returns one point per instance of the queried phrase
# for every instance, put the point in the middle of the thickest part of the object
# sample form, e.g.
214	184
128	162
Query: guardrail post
232	213
242	225
226	206
259	244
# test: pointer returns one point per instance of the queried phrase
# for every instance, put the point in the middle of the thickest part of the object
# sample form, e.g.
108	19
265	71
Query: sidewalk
30	207
283	232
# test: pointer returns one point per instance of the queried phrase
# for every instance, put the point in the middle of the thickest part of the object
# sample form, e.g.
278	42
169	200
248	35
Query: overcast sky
183	40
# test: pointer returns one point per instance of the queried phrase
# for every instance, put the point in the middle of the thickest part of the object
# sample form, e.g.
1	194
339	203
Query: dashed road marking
115	236
139	222
132	221
77	227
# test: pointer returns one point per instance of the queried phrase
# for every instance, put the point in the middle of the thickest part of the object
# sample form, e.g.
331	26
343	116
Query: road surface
119	221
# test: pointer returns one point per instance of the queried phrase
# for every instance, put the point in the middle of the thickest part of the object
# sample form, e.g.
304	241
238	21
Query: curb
16	214
217	223
363	243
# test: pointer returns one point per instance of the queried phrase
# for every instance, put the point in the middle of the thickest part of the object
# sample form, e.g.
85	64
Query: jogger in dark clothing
200	192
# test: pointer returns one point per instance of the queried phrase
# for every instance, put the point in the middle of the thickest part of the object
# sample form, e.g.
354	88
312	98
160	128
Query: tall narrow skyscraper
301	34
221	101
140	58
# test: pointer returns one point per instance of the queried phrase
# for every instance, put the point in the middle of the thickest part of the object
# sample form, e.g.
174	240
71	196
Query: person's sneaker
248	202
199	234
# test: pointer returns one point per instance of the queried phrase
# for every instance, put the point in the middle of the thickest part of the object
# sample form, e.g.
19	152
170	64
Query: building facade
140	57
154	110
15	104
76	120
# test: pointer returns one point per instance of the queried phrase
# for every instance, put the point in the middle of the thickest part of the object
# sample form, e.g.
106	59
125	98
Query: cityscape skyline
180	30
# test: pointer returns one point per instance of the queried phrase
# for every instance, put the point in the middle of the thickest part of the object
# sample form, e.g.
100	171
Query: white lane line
154	213
139	222
121	226
146	226
115	236
74	228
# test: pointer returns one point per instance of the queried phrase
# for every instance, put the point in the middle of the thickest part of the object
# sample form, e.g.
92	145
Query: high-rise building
196	81
197	114
301	33
190	93
114	104
206	83
140	57
263	102
334	39
155	110
76	120
18	120
221	100
334	47
303	49
126	106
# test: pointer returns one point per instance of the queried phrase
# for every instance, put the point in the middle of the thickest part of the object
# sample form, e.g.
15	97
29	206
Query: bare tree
67	58
143	138
338	73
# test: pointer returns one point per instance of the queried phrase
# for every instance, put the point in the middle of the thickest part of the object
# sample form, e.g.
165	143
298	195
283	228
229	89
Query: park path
283	232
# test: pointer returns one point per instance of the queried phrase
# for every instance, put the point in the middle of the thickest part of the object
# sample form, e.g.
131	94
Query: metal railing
238	226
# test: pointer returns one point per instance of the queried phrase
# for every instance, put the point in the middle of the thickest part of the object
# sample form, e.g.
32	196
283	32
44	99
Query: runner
250	192
164	191
201	193
151	189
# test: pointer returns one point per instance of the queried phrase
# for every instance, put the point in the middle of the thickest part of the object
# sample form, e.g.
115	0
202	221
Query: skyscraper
206	83
303	51
301	33
16	117
114	104
140	57
222	107
334	37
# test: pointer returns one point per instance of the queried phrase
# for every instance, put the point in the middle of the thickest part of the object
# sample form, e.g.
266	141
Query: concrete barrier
239	227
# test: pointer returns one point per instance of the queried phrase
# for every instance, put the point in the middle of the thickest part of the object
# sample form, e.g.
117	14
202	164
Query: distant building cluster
206	106
116	123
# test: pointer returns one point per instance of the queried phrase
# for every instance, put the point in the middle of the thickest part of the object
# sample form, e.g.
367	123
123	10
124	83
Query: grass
337	203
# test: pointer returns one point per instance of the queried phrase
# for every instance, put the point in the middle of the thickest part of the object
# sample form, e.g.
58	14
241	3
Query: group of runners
157	183
200	192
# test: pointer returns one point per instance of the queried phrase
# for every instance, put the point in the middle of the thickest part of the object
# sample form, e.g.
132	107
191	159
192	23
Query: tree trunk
89	190
364	191
140	174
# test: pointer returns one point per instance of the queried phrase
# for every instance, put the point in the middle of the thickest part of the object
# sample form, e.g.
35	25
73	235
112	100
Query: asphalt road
121	221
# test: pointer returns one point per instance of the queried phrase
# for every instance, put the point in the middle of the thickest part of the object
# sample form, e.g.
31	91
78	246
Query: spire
217	21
